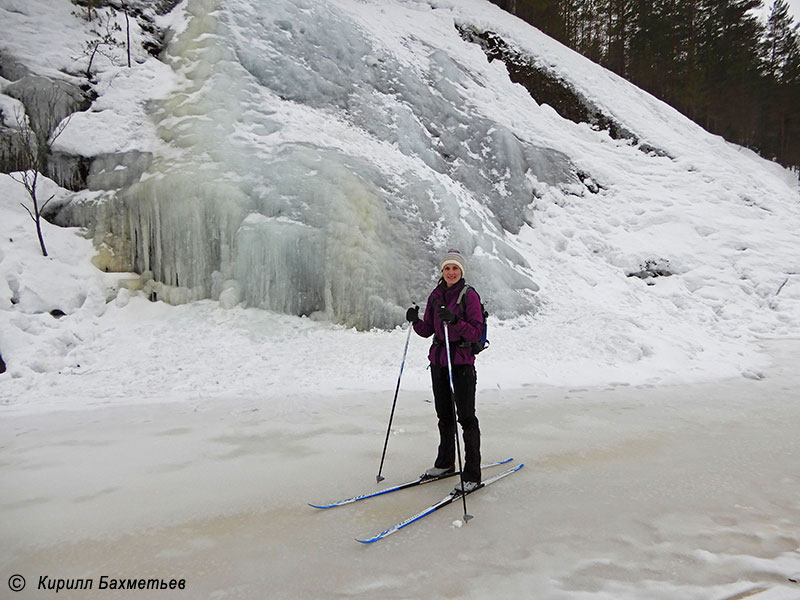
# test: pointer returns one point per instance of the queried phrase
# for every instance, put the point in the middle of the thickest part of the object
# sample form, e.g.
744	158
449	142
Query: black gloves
447	315
412	314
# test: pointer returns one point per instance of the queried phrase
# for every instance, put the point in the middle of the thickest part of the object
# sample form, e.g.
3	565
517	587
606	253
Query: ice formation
250	195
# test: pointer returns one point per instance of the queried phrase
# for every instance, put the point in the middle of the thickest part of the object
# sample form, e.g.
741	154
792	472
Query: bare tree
36	134
127	32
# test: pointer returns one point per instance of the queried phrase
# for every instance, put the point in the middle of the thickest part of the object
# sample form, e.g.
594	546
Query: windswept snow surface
658	422
670	492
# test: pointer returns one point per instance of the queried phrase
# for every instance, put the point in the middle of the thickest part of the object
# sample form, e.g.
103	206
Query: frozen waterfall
306	168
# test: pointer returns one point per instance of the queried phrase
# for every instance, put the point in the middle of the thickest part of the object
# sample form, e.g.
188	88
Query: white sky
794	6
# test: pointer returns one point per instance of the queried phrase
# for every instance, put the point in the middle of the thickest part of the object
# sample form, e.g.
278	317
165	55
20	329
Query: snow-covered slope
316	157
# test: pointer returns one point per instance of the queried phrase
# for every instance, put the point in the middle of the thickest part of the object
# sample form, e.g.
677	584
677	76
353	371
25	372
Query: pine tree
779	45
781	66
729	41
617	26
648	63
545	15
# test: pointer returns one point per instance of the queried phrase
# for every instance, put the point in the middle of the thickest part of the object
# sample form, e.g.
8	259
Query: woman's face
451	274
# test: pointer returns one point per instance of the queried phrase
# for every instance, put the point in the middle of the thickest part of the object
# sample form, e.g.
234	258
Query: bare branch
47	117
46	202
29	211
60	128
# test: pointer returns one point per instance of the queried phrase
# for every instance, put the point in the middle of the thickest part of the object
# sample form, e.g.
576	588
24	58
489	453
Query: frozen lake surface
667	492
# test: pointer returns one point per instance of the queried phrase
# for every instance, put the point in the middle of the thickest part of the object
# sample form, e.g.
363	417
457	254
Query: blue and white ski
402	486
449	499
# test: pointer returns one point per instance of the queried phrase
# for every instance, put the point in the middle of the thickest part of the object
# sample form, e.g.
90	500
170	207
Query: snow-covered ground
628	492
658	423
146	440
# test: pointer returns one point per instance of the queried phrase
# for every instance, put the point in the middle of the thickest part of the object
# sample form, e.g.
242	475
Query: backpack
477	347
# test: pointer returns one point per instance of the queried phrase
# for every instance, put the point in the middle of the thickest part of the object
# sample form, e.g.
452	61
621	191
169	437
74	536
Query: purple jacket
468	328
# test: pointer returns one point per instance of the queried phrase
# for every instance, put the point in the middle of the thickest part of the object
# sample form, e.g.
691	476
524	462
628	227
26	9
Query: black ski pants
464	381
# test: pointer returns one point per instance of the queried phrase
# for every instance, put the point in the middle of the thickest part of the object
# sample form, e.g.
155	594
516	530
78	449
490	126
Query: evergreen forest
719	62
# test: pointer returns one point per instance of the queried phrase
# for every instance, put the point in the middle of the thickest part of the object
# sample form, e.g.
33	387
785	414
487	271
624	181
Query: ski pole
379	478
467	516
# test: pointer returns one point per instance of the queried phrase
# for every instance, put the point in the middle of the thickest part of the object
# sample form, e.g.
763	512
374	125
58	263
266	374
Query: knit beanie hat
454	257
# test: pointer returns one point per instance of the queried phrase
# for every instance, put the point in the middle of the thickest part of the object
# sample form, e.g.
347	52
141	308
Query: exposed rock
658	267
546	87
116	171
43	95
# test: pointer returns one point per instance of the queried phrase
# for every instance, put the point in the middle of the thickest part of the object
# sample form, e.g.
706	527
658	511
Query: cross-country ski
449	499
403	486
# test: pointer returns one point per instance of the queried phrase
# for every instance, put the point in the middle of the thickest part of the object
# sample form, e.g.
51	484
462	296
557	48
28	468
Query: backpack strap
462	299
